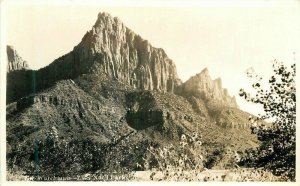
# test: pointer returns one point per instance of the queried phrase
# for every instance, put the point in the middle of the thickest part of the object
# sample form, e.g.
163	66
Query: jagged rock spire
15	61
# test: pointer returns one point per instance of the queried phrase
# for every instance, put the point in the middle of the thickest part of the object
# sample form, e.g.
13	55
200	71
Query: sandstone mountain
115	89
124	55
110	50
202	86
15	62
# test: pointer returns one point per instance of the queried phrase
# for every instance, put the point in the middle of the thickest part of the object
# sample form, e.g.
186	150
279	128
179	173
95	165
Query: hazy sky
226	40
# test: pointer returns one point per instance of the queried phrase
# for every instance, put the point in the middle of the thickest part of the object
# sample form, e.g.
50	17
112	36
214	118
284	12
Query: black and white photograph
149	91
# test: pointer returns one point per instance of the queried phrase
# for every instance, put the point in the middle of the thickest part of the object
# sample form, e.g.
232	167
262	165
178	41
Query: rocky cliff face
15	62
202	86
114	51
126	56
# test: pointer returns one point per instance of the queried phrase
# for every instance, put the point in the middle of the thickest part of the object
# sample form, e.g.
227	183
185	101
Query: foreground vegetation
56	160
278	140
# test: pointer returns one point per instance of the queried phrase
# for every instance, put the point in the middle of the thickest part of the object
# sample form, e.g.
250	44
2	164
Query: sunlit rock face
201	85
115	50
15	62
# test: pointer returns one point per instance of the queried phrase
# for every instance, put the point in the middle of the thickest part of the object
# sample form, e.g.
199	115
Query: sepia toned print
115	108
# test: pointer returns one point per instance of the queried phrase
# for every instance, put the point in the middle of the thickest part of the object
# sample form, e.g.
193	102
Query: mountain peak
112	50
105	20
15	61
103	14
202	85
204	71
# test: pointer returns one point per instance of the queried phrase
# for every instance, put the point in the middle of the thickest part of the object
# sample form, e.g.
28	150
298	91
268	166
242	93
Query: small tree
277	150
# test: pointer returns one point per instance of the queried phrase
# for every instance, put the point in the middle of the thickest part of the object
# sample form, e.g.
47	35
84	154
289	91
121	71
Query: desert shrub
176	163
277	150
215	157
53	157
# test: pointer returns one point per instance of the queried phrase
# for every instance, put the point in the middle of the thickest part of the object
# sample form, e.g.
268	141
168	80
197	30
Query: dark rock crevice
140	120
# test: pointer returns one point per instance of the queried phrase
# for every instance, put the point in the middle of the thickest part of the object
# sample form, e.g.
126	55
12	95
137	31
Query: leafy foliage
277	149
53	157
181	163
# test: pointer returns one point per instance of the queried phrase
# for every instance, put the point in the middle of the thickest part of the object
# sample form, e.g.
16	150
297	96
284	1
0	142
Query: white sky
227	40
